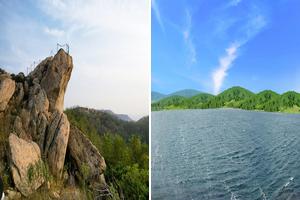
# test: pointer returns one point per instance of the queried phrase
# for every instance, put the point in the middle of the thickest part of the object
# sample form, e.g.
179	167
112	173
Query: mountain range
102	122
156	96
123	117
235	97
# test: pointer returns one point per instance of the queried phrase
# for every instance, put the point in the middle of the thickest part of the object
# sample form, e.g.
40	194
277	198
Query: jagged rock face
24	155
31	107
53	76
37	105
7	89
84	152
56	145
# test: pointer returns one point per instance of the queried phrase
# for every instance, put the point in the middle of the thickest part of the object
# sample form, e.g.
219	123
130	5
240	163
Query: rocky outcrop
53	76
12	195
85	153
25	156
31	107
56	144
7	89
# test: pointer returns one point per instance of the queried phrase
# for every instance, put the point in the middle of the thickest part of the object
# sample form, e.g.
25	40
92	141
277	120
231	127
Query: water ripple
225	154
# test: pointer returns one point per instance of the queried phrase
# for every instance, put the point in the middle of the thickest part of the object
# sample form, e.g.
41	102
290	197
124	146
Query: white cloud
188	38
225	63
54	32
234	2
157	14
109	43
255	23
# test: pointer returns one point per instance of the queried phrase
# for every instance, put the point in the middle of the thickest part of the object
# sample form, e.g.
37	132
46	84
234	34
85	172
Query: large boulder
57	142
38	101
54	75
25	160
7	89
85	153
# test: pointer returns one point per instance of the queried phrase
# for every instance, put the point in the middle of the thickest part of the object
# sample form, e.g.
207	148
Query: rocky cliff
36	134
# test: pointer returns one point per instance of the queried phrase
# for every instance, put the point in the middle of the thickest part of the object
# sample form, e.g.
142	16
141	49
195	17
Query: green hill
172	102
124	144
101	122
290	102
185	93
229	98
156	96
260	101
199	100
235	97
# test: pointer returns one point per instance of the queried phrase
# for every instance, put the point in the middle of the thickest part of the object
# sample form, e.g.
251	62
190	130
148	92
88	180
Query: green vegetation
235	97
185	93
39	170
128	168
92	121
156	96
173	102
124	147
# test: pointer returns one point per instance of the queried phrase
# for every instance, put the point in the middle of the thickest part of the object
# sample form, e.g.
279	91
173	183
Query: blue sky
109	42
211	45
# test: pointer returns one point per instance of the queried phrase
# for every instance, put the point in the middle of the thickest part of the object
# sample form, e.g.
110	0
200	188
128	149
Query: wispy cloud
107	40
156	10
188	39
254	25
234	2
54	32
225	63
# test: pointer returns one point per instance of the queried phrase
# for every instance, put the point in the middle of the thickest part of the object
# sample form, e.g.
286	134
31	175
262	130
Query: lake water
225	154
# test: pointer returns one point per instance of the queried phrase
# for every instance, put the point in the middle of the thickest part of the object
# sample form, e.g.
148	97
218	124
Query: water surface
225	154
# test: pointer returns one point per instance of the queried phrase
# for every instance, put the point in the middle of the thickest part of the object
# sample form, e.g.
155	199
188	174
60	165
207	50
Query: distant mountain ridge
156	96
123	117
102	122
235	97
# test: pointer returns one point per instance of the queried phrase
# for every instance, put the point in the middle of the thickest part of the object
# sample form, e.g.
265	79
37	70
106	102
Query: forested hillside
123	144
101	122
156	96
235	97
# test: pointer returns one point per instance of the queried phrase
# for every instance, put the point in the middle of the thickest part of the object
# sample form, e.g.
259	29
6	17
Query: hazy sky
211	45
109	42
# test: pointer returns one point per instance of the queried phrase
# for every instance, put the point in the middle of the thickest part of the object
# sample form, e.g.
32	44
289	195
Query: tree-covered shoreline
235	97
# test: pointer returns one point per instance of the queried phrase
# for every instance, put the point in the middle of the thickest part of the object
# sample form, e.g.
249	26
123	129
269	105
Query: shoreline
226	108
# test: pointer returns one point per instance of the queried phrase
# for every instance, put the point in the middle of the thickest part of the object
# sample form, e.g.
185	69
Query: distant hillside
229	98
172	102
200	99
235	97
92	120
156	96
123	117
185	93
